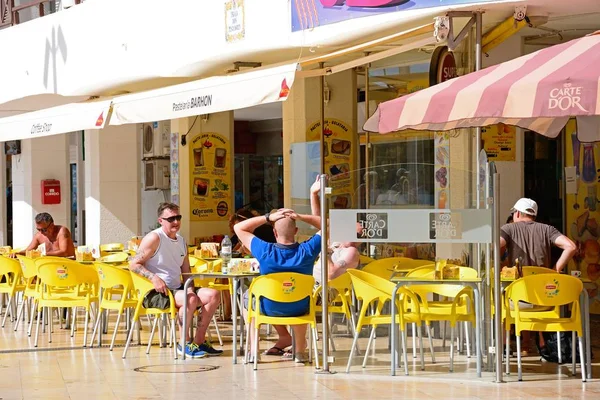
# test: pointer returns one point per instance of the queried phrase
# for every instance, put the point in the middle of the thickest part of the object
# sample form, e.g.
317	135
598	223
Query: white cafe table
237	278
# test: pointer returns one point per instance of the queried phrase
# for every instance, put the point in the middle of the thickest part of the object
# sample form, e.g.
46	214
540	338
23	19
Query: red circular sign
442	67
222	209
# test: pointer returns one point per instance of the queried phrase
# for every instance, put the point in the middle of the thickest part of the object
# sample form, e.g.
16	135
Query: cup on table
210	268
576	274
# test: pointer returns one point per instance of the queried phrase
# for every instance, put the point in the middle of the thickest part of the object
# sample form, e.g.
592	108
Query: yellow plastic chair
32	289
548	290
284	287
142	287
55	277
106	249
118	257
199	265
10	269
339	301
374	290
385	267
456	305
364	260
112	278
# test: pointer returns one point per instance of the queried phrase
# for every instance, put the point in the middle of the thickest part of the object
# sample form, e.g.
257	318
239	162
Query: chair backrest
111	276
87	273
28	267
120	256
11	269
532	270
364	260
420	263
284	287
112	247
141	284
341	283
384	267
426	271
545	289
369	287
56	274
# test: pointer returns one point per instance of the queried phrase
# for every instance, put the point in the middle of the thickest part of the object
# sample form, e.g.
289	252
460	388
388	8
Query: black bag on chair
550	351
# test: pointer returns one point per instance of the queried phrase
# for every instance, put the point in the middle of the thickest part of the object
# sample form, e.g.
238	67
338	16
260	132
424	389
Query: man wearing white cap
531	241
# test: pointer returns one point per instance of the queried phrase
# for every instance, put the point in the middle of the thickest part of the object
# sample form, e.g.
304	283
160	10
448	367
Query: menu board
210	172
499	142
339	152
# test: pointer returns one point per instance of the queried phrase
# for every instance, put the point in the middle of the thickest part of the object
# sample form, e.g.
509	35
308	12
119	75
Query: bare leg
285	339
300	338
209	301
192	304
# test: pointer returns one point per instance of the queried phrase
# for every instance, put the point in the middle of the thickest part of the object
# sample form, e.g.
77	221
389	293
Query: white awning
206	96
51	121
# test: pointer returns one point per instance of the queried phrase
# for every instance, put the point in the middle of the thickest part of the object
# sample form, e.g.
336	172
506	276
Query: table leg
588	339
393	332
234	319
184	319
242	322
478	328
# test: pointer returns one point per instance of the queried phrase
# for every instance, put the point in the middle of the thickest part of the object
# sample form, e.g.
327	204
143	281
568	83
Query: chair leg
452	329
430	343
558	348
247	347
152	335
444	334
414	339
353	320
371	337
356	333
129	337
114	336
519	373
255	352
404	349
37	327
217	329
8	308
20	313
573	355
507	352
581	358
331	333
85	327
420	334
467	329
174	336
31	317
316	349
50	317
74	312
95	330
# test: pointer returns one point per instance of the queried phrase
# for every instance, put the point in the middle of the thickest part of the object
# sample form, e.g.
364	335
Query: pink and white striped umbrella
539	91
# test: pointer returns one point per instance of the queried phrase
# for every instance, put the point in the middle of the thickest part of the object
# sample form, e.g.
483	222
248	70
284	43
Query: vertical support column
324	272
42	158
112	184
497	293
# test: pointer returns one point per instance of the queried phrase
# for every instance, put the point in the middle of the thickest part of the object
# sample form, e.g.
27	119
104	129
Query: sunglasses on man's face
173	218
43	230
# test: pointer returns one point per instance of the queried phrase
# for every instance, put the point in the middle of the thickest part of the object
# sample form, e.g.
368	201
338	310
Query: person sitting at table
161	258
531	243
286	255
56	238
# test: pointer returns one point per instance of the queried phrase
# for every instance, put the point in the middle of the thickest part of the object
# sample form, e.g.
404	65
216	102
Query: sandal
274	351
287	356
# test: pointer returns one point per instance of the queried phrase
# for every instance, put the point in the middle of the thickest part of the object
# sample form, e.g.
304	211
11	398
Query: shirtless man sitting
57	238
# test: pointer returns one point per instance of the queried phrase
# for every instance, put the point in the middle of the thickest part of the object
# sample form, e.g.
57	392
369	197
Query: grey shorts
158	300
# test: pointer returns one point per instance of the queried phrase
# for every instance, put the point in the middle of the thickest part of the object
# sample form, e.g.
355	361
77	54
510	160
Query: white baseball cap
526	206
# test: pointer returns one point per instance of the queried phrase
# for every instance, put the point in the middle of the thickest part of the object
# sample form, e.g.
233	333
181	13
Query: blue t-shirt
274	258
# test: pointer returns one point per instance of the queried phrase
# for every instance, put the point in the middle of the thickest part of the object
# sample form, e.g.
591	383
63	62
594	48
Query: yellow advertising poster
583	212
339	154
499	142
210	167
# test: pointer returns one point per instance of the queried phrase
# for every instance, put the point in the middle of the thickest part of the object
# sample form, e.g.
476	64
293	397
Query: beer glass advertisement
583	212
211	192
339	158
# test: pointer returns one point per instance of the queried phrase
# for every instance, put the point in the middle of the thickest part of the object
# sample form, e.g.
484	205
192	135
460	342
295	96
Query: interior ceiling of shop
566	20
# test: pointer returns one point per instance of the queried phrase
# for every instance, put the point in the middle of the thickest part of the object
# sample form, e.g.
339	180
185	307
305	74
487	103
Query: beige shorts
522	305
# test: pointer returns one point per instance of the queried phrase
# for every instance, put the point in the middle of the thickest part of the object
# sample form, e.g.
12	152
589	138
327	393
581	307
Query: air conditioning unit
155	139
157	175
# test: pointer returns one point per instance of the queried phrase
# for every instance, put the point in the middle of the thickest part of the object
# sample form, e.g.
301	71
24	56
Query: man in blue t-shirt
286	255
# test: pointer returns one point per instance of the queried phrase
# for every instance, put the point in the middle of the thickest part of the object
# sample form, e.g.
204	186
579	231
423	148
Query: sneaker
209	349
192	350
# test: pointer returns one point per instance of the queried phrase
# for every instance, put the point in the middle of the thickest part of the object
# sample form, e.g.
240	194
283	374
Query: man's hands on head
316	186
280	214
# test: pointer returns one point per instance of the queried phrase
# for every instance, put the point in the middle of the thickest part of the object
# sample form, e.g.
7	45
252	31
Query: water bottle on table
226	249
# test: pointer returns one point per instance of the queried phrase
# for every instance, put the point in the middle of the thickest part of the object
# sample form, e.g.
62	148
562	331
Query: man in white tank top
161	258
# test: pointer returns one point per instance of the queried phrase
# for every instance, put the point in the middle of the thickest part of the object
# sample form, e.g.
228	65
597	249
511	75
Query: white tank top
167	259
